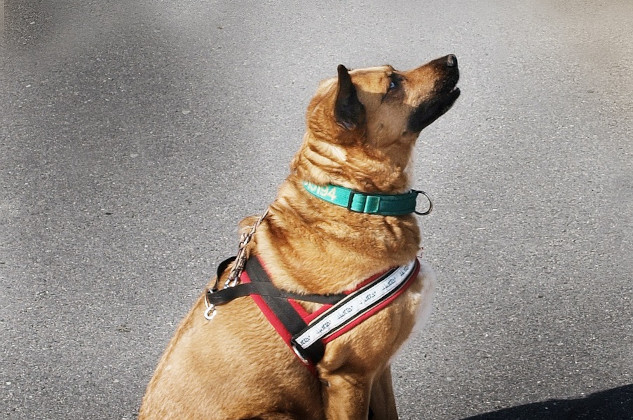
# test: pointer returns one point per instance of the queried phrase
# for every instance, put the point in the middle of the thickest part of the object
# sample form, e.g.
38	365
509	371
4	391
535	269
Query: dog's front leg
383	402
346	396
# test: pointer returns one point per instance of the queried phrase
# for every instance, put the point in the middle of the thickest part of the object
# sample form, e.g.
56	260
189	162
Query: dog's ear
348	111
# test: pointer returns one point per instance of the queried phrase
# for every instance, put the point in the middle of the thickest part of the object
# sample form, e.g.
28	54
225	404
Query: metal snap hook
210	312
429	209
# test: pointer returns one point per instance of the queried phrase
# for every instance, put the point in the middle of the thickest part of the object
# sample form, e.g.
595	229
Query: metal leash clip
234	275
240	259
210	312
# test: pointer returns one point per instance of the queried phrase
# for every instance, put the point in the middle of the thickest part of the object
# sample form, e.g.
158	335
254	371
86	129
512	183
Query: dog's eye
394	82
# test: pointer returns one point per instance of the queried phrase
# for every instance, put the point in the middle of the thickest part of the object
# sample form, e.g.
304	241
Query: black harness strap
260	285
276	299
221	269
287	315
265	289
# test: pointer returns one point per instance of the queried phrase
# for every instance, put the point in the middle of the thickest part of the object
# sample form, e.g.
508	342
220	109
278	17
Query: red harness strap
293	322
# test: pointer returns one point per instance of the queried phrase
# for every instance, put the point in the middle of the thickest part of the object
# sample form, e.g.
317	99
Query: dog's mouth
429	111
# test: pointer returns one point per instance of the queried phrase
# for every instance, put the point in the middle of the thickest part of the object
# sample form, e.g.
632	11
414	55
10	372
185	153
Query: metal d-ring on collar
429	209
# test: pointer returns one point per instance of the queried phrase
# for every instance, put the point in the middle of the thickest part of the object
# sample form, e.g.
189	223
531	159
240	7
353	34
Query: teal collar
359	202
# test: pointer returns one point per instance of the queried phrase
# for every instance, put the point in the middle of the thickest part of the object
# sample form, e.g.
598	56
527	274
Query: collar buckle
350	201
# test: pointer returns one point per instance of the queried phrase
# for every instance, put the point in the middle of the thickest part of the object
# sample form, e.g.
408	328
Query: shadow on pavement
613	404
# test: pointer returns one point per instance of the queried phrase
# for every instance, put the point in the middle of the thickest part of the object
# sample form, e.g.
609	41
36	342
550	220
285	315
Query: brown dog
361	129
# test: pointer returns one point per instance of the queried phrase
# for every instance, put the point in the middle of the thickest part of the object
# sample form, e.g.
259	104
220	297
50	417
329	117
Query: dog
227	361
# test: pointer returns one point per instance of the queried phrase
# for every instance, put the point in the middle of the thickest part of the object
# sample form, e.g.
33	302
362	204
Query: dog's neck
324	248
317	247
356	166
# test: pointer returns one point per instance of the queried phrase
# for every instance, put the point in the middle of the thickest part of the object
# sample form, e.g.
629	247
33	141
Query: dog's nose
451	60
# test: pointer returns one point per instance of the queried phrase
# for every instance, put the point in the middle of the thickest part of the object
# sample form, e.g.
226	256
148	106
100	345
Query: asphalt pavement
135	135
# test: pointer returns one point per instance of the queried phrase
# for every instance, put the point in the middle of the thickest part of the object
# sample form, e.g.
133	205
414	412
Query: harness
308	333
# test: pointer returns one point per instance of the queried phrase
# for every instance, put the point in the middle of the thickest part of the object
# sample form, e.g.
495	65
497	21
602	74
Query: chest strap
307	333
356	307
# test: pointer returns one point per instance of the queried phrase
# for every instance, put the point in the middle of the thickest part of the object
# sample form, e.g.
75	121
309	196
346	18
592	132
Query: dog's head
363	124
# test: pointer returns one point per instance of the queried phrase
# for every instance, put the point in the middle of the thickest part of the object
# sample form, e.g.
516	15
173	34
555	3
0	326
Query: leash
236	270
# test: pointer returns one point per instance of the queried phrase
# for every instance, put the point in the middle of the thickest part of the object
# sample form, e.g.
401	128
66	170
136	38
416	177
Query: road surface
135	135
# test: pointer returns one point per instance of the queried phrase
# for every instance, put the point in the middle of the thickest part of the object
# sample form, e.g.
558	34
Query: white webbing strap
353	306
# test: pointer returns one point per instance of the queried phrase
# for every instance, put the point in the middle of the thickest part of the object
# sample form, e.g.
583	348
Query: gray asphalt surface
135	135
